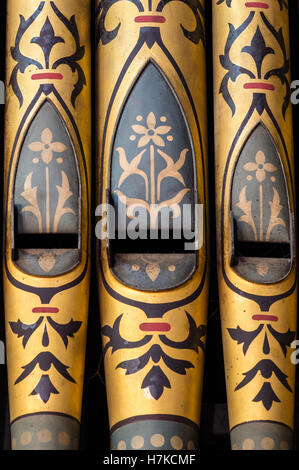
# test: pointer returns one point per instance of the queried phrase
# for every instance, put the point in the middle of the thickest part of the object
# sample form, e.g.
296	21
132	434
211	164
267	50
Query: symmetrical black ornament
106	36
155	380
266	367
45	388
258	51
45	359
47	40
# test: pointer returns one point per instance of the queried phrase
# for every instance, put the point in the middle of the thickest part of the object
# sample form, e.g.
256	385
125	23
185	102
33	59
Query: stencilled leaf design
246	207
244	337
132	366
131	168
64	193
194	341
267	396
153	209
267	368
172	169
178	365
67	330
117	342
275	211
45	388
30	194
25	331
284	339
45	360
156	381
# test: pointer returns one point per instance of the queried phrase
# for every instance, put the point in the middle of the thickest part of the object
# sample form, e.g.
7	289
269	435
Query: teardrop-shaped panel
152	165
46	198
260	210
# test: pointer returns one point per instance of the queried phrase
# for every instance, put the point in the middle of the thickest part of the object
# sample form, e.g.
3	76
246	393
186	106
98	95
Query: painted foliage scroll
47	198
152	156
255	219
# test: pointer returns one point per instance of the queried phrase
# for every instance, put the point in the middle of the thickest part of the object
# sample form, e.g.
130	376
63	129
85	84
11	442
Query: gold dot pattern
267	443
157	440
64	439
26	438
121	445
248	444
44	436
45	432
176	443
137	442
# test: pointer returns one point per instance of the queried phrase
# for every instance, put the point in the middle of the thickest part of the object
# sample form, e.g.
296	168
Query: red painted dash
150	19
257	5
47	76
45	310
265	318
259	86
154	327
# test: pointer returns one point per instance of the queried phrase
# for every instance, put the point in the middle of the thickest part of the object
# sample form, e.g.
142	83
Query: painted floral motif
47	146
151	138
151	132
260	166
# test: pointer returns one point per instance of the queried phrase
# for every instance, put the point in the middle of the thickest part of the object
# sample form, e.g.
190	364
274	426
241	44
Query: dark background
214	425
